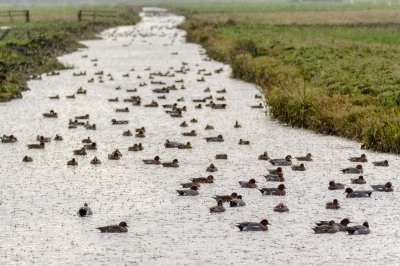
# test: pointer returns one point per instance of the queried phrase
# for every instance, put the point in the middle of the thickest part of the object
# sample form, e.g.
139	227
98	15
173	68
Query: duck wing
378	187
362	193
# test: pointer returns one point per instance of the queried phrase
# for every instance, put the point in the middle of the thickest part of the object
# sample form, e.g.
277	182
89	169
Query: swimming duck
237	125
113	100
188	185
383	188
156	160
258	96
161	97
180	99
219	138
36	146
81	91
174	163
92	146
244	142
198	106
43	139
187	146
208	179
190	134
351	170
212	168
184	124
80	152
58	138
248	184
71	96
362	158
282	162
342	226
249	226
275	171
72	162
127	133
208	127
218	106
279	191
330	228
84	211
140	129
115	122
281	208
52	114
275	177
170	105
221	156
264	157
334	205
54	97
82	117
136	147
121	228
221	98
125	110
114	156
359	180
88	140
237	202
335	186
298	167
152	104
359	229
257	106
171	144
226	198
358	193
221	91
381	163
207	90
306	158
193	120
8	139
27	159
218	208
189	192
91	127
95	161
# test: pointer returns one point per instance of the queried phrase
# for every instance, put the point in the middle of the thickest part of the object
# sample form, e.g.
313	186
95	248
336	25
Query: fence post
79	15
11	18
26	12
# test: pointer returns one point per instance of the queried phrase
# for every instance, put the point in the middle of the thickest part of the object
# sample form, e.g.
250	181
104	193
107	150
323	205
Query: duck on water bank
120	228
250	226
85	211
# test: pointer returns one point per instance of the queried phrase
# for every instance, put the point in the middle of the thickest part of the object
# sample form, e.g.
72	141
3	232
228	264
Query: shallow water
39	200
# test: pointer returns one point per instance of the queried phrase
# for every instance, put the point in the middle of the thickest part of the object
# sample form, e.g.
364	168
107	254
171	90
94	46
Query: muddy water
39	200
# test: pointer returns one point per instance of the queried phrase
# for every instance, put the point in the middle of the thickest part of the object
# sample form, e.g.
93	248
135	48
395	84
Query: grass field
329	67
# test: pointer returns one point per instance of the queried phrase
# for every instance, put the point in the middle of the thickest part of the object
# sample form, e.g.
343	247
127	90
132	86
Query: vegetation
326	74
31	48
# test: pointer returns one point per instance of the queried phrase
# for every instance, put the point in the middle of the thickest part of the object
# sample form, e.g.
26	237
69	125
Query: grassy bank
328	74
31	48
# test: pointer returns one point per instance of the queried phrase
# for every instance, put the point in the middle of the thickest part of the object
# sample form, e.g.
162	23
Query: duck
226	198
88	140
81	91
359	180
72	162
161	97
115	122
136	147
383	188
358	193
85	211
52	114
91	127
336	186
127	133
237	125
92	146
275	178
95	161
257	96
334	205
207	90
190	134
194	120
58	138
279	191
282	162
219	138
298	167
221	98
221	156
198	106
187	146
199	100
208	127
209	179
43	139
188	185
218	106
156	160
124	110
36	146
140	129
281	208
330	228
113	100
8	139
71	96
237	202
174	163
54	97
248	184
218	208
114	156
362	158
183	124
212	168
257	106
244	142
342	226
250	226
353	170
121	228
80	152
27	159
275	171
152	104
189	192
82	117
381	163
359	229
140	134
264	156
222	91
306	158
171	144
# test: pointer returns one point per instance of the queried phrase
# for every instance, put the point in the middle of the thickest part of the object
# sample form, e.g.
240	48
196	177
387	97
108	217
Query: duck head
361	177
156	158
85	204
175	161
266	154
281	205
234	195
239	197
252	181
188	144
366	224
345	221
332	183
194	188
335	201
331	223
288	157
359	166
308	155
123	224
210	177
348	190
219	203
388	184
279	169
264	222
281	187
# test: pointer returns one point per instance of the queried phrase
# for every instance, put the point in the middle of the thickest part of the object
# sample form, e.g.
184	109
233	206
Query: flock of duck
175	110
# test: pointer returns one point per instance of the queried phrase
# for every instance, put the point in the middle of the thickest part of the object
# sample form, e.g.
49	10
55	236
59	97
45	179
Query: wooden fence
95	15
15	13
